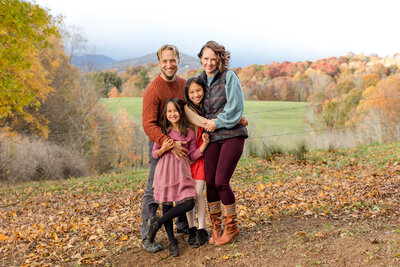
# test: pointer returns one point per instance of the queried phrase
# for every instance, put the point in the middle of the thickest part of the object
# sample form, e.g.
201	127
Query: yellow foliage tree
25	29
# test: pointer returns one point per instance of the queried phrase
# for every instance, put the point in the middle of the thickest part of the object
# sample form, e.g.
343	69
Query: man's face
168	64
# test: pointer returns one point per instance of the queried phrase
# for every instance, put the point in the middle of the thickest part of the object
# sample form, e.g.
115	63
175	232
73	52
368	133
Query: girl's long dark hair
197	80
183	124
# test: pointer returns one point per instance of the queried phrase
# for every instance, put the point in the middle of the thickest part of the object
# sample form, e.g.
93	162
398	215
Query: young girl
172	179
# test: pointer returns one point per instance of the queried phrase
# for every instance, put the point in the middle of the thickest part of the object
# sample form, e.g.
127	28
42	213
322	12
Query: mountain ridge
102	62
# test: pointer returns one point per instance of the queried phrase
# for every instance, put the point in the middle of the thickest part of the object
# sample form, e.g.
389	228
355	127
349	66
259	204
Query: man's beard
169	78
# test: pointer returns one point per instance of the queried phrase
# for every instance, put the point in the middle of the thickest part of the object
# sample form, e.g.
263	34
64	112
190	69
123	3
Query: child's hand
206	138
167	145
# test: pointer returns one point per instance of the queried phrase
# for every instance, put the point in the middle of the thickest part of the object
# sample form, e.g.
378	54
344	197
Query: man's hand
179	151
210	126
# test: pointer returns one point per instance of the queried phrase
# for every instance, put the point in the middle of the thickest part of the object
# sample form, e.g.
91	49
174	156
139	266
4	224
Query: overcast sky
256	32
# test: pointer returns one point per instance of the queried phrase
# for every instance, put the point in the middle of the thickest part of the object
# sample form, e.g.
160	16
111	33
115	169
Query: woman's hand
243	121
210	126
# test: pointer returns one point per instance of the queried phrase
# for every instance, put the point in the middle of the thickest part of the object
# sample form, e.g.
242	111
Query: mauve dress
173	180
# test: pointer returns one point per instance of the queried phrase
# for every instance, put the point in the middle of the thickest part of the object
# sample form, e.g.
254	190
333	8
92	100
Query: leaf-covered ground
338	208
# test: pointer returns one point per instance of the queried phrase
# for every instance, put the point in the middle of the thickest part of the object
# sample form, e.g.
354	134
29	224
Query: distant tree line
345	91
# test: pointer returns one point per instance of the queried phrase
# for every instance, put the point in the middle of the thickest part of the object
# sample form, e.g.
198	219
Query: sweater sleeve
234	106
194	152
149	116
194	118
156	147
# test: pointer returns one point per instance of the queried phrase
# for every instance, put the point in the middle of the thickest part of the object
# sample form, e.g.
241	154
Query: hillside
187	62
337	208
101	62
91	62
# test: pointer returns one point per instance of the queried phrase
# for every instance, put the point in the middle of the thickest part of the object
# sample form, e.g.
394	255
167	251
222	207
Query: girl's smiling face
196	93
173	115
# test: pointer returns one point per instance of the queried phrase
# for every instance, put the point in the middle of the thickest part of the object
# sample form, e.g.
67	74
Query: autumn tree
25	29
370	80
113	93
380	108
131	141
104	81
142	80
129	89
76	118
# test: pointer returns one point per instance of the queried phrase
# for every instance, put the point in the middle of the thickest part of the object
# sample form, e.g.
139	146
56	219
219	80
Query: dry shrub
23	159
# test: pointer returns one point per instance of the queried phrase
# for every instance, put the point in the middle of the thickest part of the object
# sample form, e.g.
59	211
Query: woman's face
196	93
209	61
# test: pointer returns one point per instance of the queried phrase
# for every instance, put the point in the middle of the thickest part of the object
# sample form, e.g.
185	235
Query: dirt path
289	242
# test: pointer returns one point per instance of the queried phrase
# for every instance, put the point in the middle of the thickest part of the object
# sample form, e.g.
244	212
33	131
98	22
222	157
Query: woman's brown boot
231	228
214	209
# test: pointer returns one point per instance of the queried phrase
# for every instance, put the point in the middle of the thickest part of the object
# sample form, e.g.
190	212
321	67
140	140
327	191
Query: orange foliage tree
113	93
379	108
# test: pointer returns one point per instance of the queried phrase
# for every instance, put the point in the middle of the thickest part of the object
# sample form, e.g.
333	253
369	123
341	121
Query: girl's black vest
214	103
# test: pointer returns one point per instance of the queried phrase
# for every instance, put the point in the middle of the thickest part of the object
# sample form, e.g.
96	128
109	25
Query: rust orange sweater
155	95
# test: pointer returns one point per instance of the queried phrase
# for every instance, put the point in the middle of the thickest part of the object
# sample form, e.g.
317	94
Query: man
164	86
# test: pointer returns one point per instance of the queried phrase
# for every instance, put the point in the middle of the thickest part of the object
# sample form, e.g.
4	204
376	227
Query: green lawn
265	117
268	118
133	105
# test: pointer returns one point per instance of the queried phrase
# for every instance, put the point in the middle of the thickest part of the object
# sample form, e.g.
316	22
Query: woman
223	107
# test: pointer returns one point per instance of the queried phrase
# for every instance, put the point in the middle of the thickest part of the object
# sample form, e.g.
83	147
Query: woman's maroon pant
220	160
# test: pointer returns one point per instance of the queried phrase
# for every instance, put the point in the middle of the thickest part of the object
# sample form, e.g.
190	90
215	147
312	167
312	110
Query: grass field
265	118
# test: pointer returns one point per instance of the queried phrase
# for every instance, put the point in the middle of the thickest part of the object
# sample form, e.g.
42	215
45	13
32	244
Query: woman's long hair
197	80
223	56
183	123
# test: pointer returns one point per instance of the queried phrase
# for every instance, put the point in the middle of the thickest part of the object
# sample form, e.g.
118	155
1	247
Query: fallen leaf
3	237
301	233
319	235
124	237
